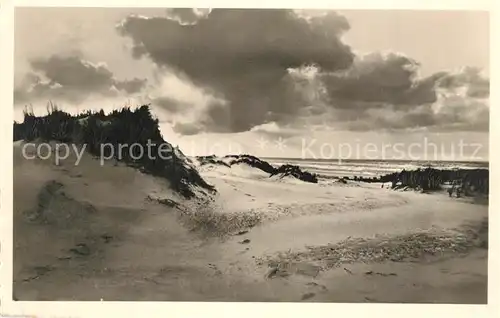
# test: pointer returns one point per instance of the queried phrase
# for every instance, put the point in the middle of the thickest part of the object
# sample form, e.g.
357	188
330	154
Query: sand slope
88	232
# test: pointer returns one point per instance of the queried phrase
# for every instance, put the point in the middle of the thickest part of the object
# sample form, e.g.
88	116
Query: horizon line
380	159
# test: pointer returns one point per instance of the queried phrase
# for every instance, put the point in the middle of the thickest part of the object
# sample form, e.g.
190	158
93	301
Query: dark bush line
205	160
252	161
124	126
282	171
465	181
295	171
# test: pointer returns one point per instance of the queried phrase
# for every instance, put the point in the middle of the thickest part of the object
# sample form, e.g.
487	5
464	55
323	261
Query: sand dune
88	232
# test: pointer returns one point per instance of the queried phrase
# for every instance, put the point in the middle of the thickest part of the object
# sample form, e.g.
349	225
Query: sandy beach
92	232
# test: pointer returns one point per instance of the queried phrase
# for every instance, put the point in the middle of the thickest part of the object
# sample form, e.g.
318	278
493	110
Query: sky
278	83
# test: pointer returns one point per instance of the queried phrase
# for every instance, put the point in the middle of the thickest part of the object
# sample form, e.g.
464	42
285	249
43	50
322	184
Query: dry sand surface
92	232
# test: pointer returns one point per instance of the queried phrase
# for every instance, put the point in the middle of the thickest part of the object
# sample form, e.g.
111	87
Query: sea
370	168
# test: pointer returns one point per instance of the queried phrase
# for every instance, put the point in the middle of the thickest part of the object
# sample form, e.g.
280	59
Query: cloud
470	78
274	130
385	91
269	72
243	55
285	68
131	86
187	16
381	78
188	128
190	108
73	83
71	78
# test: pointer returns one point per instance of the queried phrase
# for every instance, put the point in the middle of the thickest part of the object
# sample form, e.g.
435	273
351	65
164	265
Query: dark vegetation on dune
205	160
295	171
466	181
120	127
252	161
282	171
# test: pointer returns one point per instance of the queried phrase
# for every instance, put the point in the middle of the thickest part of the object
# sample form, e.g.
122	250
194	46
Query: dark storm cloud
131	86
454	113
169	104
240	70
71	78
381	78
73	73
243	55
384	91
188	128
246	56
477	85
